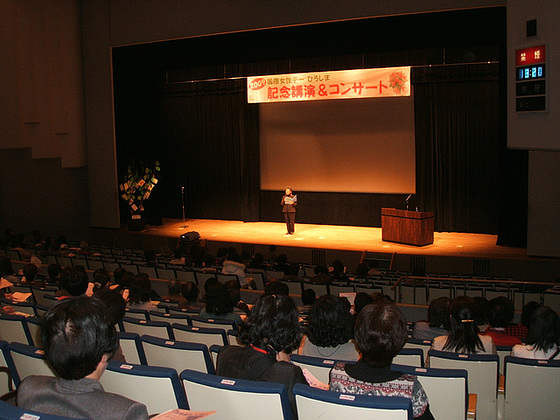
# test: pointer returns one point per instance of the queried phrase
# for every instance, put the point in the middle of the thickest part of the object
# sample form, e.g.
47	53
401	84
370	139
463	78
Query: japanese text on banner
346	84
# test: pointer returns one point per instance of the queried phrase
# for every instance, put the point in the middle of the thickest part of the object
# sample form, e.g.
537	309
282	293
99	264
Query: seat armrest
501	385
471	410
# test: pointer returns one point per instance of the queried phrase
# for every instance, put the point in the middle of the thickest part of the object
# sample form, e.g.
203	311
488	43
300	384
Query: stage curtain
209	137
462	163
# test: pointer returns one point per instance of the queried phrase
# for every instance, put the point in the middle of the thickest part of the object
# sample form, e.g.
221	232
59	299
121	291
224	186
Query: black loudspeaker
531	28
189	237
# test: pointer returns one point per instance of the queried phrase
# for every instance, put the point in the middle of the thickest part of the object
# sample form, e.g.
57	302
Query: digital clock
530	72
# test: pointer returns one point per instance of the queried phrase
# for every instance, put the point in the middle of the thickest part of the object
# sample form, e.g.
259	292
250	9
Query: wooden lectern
407	227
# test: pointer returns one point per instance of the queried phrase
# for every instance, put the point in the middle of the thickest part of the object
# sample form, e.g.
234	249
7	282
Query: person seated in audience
543	337
150	257
6	270
18	244
190	292
308	297
277	287
520	330
380	333
116	310
78	340
219	305
438	320
362	271
178	257
482	311
239	307
140	294
321	276
291	273
500	314
101	279
257	266
271	333
338	273
271	255
281	262
73	282
329	333
54	272
233	265
361	300
30	275
464	336
208	261
174	291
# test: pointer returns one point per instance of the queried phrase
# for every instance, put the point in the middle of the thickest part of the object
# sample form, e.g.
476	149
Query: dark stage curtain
209	139
465	173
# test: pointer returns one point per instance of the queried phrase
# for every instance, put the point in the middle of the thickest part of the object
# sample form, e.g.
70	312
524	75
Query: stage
344	238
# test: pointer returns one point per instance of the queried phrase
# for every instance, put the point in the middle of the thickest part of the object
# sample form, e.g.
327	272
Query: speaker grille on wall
531	28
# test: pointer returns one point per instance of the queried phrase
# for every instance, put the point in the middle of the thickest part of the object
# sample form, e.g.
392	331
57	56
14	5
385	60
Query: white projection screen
354	145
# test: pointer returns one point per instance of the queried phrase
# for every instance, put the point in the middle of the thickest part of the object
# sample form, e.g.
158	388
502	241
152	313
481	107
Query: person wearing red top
500	314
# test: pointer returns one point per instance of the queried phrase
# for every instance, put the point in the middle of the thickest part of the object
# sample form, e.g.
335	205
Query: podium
407	227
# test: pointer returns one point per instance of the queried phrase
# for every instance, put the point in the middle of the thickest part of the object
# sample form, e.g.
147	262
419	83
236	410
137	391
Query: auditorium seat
178	355
236	399
447	391
137	314
13	328
202	278
131	346
179	318
410	357
213	323
20	307
34	327
6	381
11	412
154	328
207	336
24	360
483	372
319	367
532	389
159	388
315	404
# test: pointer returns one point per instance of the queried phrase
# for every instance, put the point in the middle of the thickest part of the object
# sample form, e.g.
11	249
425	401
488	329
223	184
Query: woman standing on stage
289	203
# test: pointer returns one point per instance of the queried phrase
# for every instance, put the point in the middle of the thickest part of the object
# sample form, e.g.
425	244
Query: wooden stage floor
348	238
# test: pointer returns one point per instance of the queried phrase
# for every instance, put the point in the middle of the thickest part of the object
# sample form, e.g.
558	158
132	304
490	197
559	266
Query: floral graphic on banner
397	81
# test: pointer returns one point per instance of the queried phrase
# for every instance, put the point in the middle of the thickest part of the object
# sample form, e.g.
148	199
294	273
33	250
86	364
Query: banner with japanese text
345	84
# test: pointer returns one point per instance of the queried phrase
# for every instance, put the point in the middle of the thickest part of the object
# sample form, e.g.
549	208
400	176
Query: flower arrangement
397	81
139	182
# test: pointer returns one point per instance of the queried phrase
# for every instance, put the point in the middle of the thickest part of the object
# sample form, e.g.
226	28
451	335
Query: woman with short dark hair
543	338
380	334
219	304
271	333
438	320
329	333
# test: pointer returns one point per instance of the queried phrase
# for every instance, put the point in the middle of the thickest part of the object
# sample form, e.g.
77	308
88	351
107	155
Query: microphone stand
183	199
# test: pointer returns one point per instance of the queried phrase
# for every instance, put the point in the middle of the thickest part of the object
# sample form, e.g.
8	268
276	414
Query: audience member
78	341
178	257
116	310
520	330
361	300
271	256
277	287
291	273
239	306
101	278
438	321
329	333
54	272
321	276
482	313
190	292
543	338
208	264
139	296
219	305
464	336
338	273
380	333
6	270
233	265
308	298
270	335
174	291
500	314
30	272
73	282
